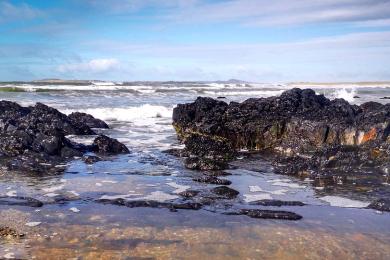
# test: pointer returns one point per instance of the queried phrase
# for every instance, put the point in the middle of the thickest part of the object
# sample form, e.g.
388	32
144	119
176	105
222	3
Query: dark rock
90	159
189	193
381	205
385	97
106	145
207	146
356	97
20	201
277	203
303	133
77	118
270	214
204	164
69	152
32	139
212	180
225	192
9	232
152	204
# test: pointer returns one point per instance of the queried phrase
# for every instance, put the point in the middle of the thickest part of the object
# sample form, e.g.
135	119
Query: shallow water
72	224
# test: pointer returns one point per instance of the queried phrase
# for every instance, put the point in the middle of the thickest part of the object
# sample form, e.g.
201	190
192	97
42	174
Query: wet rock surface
20	201
212	180
152	204
381	205
270	214
225	192
301	133
33	139
88	120
6	232
277	203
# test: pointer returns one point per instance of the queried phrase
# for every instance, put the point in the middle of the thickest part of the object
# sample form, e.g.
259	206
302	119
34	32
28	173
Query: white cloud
92	66
10	12
284	12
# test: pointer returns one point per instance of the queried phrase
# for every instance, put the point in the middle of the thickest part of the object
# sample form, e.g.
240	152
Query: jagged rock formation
33	139
309	133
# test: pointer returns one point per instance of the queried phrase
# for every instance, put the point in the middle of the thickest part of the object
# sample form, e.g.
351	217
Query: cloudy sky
256	40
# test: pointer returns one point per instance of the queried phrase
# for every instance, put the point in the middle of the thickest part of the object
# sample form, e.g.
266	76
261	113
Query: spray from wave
344	93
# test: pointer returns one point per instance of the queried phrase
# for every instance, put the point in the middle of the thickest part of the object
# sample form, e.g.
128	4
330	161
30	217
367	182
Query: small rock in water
277	203
212	180
270	214
225	192
90	159
189	193
9	232
381	205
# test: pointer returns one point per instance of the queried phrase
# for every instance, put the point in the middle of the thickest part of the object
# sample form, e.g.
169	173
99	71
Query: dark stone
204	164
32	139
270	214
20	201
189	193
77	118
106	145
225	192
277	203
381	205
9	232
90	159
212	180
152	204
302	132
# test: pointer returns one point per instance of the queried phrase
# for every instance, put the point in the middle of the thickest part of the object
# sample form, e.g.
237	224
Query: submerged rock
225	192
33	139
152	204
381	205
189	193
91	159
277	203
6	232
20	201
212	180
270	214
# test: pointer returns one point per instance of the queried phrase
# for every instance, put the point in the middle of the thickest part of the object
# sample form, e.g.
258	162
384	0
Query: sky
253	40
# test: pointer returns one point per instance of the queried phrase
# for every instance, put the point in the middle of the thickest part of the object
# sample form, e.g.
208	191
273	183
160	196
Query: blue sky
255	40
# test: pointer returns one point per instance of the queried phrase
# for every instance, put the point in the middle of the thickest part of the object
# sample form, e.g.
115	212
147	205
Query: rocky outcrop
33	139
308	132
88	120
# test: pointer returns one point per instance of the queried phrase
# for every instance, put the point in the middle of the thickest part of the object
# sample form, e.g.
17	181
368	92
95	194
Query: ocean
334	225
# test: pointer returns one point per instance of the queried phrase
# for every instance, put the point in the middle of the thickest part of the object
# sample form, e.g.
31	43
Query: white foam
344	202
160	196
255	197
179	188
255	189
74	210
345	94
289	185
53	189
11	193
122	196
127	114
